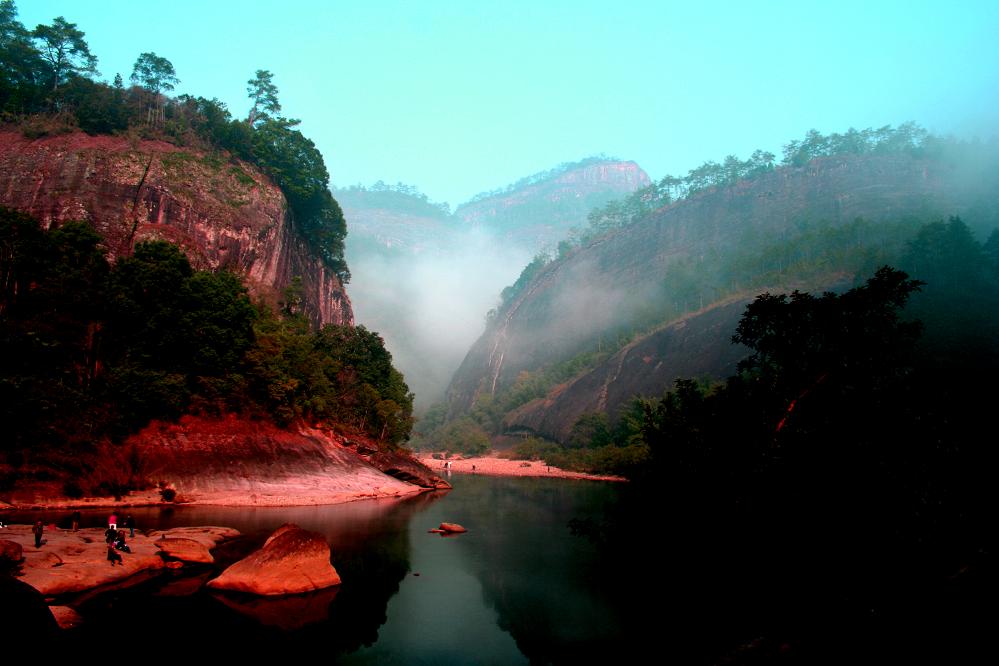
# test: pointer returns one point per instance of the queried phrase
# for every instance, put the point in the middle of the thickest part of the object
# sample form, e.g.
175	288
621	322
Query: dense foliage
91	352
399	197
844	469
907	138
46	88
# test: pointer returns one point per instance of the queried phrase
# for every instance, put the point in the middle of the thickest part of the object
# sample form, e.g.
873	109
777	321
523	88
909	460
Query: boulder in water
292	561
451	527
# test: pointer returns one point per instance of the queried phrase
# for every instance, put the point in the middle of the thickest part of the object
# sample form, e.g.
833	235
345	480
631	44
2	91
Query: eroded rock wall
224	213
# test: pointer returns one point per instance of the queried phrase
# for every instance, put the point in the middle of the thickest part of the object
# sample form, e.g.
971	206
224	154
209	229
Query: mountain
540	210
631	310
423	277
222	213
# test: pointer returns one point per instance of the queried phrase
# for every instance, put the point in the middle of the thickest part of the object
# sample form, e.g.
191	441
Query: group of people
115	538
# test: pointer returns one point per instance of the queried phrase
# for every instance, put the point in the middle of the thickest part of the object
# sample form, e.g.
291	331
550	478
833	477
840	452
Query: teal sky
460	97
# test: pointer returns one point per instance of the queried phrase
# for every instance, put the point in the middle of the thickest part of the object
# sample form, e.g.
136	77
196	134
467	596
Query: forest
48	85
91	352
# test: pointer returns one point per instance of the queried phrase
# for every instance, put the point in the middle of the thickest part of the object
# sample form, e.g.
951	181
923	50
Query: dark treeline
840	481
47	86
91	352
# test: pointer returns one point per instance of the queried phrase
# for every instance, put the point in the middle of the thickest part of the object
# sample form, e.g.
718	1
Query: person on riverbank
37	530
119	543
113	556
110	534
113	521
130	524
75	521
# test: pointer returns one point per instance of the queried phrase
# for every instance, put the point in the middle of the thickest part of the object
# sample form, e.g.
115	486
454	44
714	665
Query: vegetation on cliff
46	87
90	352
847	444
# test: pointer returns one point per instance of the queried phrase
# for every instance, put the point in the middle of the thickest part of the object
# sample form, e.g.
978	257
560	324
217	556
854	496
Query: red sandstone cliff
223	213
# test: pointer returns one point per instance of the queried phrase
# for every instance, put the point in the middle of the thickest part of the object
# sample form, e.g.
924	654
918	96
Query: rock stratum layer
223	213
574	304
235	462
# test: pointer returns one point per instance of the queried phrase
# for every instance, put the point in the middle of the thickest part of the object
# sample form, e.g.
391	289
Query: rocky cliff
223	213
234	461
592	295
541	211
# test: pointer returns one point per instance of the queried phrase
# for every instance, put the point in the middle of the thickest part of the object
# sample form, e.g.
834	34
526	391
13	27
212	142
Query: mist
430	305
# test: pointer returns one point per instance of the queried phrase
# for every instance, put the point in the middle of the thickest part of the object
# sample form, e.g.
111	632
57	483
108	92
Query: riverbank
493	465
294	492
71	562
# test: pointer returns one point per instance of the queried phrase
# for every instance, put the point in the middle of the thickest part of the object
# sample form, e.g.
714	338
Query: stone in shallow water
451	527
187	550
292	561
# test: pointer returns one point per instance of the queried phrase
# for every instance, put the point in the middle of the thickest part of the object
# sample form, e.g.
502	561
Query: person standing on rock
75	520
130	524
113	521
113	555
37	530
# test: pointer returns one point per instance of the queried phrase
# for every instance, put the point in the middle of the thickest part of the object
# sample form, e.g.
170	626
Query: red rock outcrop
224	213
292	562
235	461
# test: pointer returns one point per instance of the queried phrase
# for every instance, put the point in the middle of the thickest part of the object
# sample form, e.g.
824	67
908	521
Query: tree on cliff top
263	92
62	46
154	73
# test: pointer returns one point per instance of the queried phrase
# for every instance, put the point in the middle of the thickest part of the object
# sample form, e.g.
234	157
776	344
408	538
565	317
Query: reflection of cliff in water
548	587
371	551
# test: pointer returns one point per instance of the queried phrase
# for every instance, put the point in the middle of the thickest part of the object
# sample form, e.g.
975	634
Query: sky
461	97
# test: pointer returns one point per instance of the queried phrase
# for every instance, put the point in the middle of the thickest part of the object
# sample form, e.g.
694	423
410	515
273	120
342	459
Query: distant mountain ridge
423	276
689	255
535	212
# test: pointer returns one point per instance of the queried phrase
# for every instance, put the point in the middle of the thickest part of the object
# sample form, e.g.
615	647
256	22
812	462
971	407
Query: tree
263	92
62	46
154	73
21	65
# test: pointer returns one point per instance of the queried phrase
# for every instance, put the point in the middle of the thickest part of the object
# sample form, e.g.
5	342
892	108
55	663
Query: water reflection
370	549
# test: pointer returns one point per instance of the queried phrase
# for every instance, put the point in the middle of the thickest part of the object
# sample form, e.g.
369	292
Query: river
518	587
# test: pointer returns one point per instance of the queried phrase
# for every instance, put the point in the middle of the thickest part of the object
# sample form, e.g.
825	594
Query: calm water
517	588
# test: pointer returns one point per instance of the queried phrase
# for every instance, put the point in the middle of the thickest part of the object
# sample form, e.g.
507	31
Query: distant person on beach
113	521
75	520
37	530
130	524
113	556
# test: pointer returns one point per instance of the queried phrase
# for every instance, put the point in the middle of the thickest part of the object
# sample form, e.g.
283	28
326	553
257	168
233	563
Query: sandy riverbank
493	465
271	494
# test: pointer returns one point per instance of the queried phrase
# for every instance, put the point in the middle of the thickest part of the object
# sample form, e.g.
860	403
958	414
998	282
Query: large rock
10	551
186	550
24	617
71	562
400	465
291	562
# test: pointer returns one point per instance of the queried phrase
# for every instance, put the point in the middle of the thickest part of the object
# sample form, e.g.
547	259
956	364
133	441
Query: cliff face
223	214
593	294
541	214
231	460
